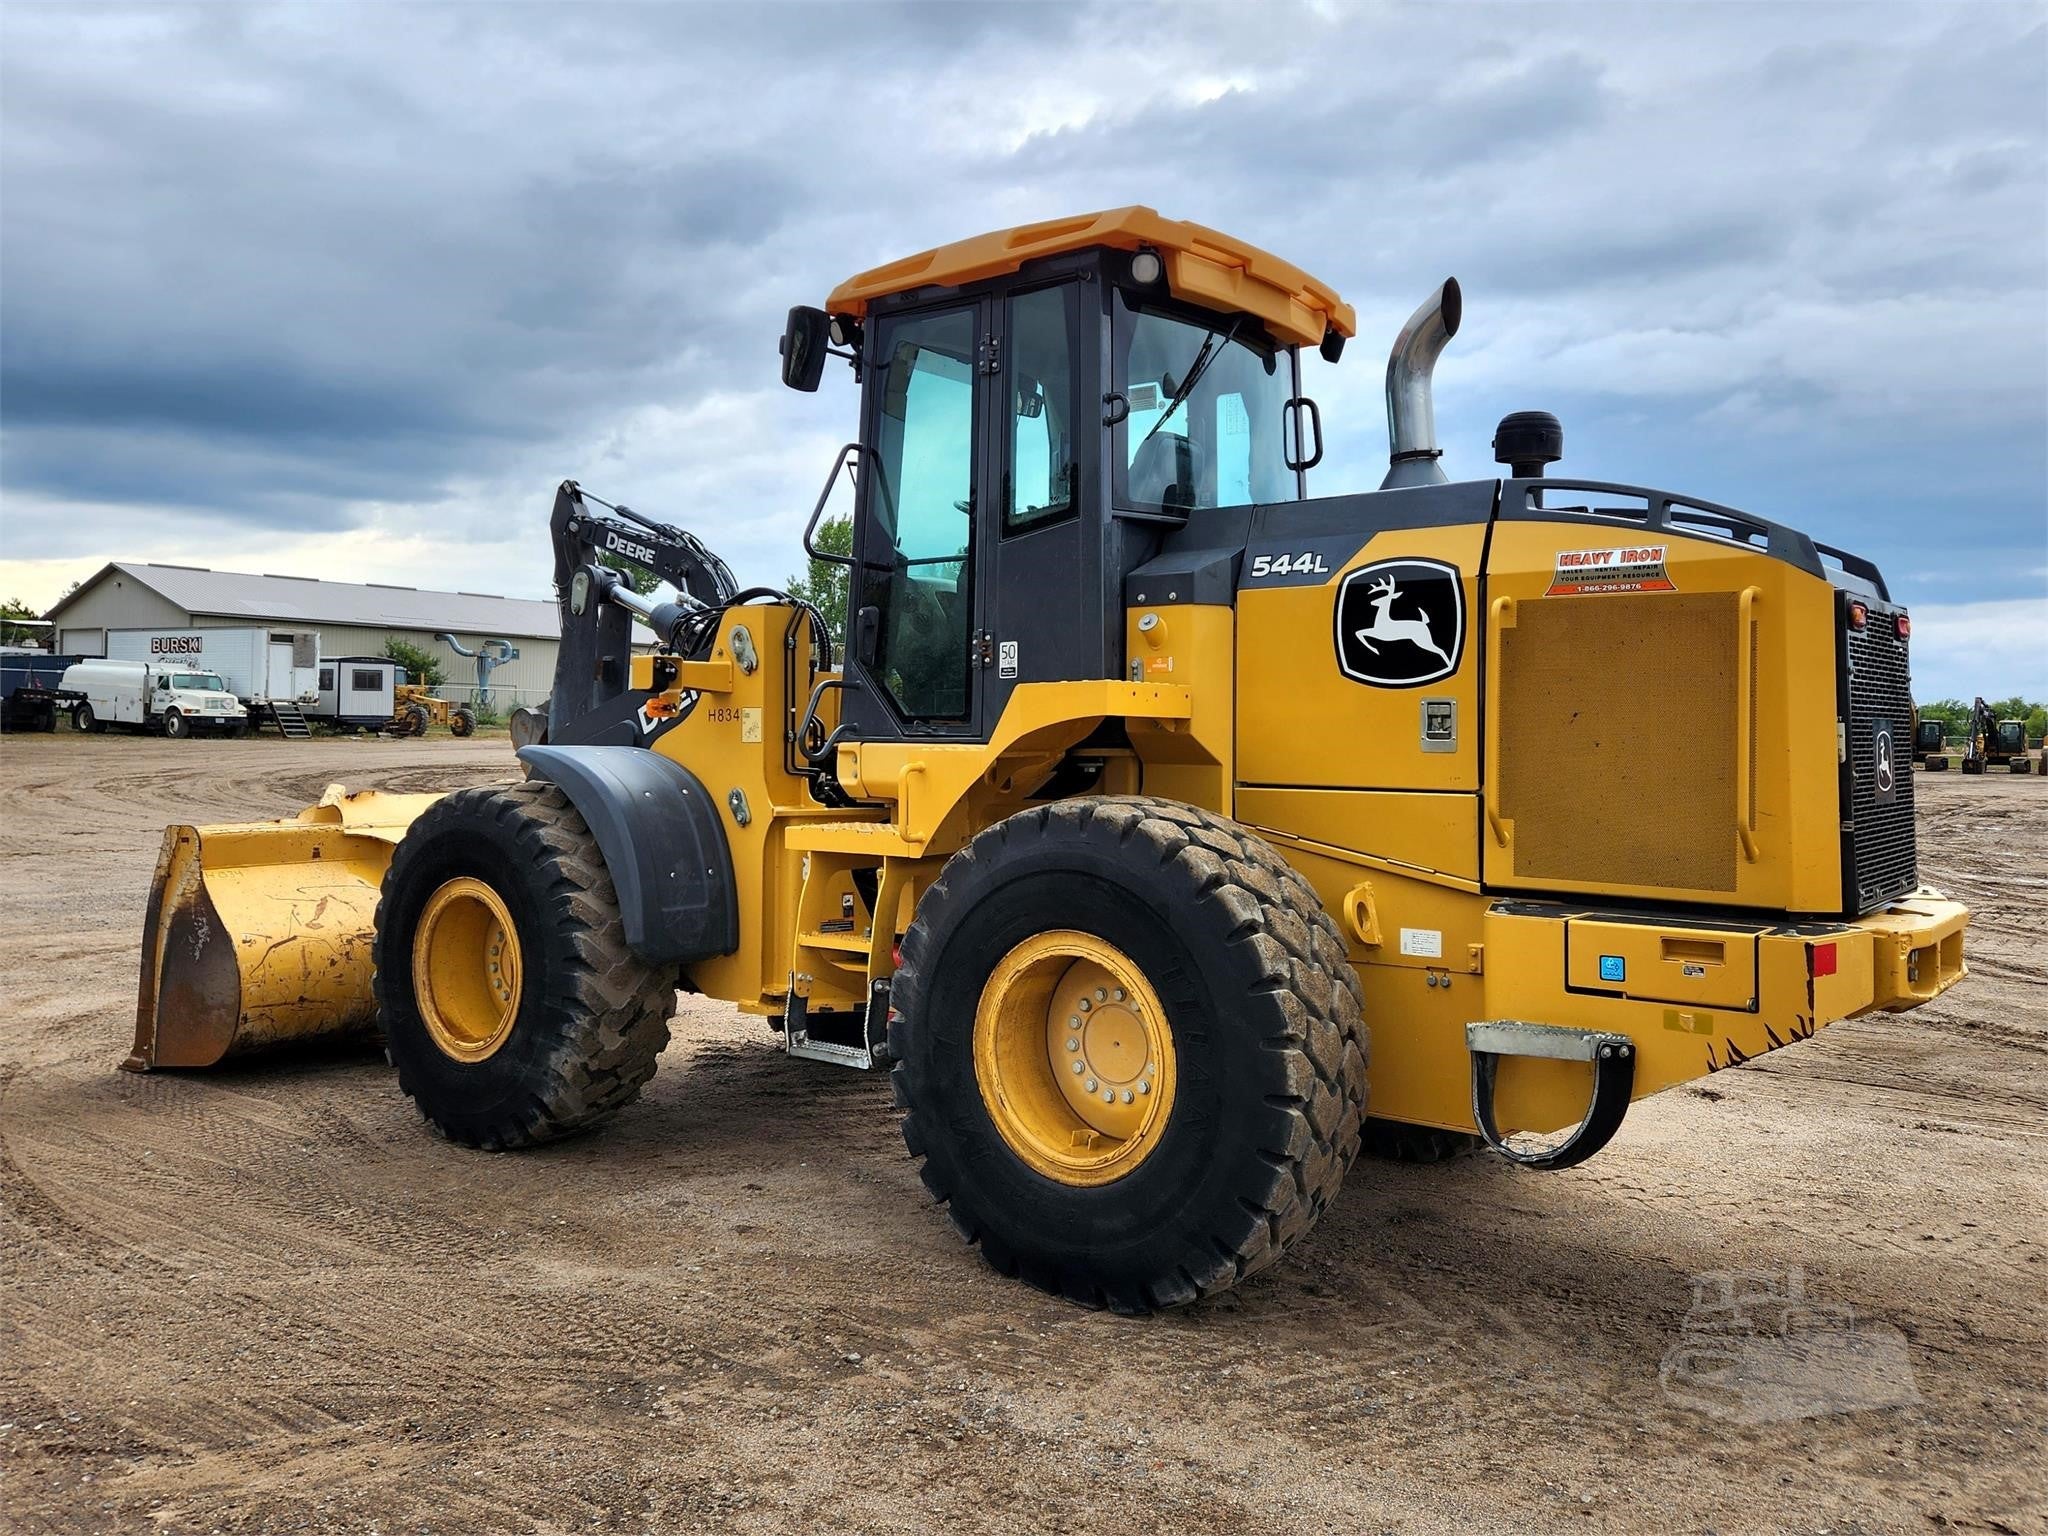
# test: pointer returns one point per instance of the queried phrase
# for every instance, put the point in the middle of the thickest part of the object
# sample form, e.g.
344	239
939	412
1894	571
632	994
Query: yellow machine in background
1143	785
414	708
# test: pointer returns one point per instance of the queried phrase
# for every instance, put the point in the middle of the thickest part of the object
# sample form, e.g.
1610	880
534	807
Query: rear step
291	722
1614	1074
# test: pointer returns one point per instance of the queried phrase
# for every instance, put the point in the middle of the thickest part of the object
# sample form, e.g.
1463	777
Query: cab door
1040	571
915	632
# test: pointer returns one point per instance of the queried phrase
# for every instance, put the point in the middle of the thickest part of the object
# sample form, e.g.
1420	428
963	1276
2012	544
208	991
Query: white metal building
353	619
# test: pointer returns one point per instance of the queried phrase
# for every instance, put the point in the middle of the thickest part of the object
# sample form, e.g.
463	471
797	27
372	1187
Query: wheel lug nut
1109	1095
1086	1005
1090	1085
1101	996
1118	994
1143	1086
1127	1095
1079	1068
1073	1044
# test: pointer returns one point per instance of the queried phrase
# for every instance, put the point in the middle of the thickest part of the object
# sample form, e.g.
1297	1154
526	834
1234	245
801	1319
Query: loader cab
1026	440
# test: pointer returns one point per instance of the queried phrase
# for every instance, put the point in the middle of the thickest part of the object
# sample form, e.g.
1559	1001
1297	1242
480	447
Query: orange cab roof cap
1202	267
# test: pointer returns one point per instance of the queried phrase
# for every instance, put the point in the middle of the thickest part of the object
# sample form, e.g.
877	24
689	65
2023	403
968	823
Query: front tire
83	720
176	726
1241	1011
462	722
512	1008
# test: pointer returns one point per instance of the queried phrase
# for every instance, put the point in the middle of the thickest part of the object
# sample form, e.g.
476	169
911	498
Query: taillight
1859	615
1820	959
1905	626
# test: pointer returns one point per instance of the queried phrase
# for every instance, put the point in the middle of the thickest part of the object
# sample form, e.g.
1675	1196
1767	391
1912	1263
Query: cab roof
1203	267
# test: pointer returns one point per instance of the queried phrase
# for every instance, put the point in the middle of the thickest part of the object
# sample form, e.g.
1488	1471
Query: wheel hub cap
1074	1057
467	974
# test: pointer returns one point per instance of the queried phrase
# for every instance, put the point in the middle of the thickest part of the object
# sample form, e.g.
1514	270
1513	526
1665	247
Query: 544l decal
1308	563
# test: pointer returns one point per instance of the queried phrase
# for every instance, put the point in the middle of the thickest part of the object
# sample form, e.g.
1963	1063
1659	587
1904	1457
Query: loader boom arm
593	664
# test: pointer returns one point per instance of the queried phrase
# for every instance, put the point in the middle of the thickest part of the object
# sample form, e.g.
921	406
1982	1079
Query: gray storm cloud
400	268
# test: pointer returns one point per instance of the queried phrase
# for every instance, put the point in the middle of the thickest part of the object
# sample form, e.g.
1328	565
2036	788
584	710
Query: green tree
421	666
825	585
19	634
2037	722
1953	714
638	577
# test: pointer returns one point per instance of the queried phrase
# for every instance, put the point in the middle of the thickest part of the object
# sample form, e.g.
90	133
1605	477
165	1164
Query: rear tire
1396	1141
590	1017
1268	1050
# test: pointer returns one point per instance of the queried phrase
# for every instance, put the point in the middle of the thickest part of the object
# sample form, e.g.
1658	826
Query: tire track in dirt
267	1299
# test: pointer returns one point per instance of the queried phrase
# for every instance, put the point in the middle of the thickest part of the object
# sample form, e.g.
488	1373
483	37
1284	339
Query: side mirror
805	337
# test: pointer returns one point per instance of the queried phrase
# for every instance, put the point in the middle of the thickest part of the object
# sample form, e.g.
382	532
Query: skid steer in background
1142	785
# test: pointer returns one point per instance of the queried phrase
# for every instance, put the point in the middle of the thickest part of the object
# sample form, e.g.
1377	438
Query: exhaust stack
1411	417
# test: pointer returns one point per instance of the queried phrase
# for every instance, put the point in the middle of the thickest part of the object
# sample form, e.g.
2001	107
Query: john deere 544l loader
1137	787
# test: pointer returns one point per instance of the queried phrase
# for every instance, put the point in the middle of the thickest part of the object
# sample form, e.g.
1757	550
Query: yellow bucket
262	932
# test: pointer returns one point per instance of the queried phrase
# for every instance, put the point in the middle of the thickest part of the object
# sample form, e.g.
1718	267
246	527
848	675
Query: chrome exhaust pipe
1412	452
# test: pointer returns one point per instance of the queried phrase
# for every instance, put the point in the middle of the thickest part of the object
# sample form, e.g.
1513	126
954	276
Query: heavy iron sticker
1630	568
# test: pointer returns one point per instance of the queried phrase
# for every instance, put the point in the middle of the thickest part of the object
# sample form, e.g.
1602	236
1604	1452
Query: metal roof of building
309	600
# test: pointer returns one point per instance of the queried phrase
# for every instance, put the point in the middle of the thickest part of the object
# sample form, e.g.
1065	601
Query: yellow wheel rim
466	970
1074	1058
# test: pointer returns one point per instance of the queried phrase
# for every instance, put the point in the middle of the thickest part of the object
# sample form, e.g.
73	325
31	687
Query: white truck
176	698
260	666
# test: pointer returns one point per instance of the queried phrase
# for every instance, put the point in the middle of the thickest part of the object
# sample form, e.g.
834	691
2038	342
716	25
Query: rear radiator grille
1880	859
1618	734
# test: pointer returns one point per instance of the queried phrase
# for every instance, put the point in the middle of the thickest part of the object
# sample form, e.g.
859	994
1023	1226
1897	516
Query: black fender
663	842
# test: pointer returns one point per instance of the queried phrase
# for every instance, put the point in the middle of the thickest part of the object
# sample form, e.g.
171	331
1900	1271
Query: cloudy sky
344	290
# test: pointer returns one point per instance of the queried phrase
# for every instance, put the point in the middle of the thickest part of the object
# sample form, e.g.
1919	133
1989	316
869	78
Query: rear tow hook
1614	1075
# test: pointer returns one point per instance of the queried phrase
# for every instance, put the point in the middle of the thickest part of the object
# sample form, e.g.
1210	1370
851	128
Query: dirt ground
267	1299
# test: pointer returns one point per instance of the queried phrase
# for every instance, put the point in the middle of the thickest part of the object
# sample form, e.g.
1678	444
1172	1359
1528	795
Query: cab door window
919	566
1043	480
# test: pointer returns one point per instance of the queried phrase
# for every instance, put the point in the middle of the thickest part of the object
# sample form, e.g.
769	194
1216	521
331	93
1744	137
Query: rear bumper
1916	950
1697	995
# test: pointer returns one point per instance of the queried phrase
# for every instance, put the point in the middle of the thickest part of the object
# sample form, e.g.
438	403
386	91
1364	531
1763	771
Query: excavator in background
1927	742
1989	742
1137	785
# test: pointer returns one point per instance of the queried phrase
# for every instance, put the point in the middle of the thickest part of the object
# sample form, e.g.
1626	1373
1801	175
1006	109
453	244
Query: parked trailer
261	666
176	698
32	692
359	692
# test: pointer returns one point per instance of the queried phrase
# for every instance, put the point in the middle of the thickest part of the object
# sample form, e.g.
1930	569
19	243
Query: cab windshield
199	682
1223	444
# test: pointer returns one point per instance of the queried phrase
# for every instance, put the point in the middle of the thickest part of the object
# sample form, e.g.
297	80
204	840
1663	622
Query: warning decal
1639	568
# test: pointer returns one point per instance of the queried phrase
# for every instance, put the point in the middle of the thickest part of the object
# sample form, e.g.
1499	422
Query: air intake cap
1528	442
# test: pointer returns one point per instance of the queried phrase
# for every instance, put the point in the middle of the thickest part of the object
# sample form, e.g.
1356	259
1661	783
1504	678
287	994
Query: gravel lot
266	1299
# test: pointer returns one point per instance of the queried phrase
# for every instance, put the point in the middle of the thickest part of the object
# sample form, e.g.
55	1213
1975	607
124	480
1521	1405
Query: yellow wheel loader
1139	787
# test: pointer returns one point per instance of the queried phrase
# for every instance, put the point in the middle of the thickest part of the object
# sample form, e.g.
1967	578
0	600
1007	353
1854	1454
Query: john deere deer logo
1400	623
1386	627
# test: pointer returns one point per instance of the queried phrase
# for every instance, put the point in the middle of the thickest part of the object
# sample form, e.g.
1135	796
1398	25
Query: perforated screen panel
1618	737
